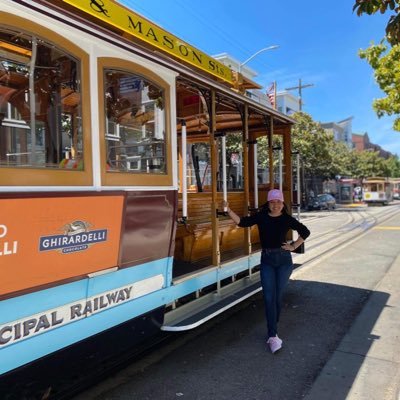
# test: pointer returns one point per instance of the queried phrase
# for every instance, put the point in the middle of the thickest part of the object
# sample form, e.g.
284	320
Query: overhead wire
227	37
203	21
206	22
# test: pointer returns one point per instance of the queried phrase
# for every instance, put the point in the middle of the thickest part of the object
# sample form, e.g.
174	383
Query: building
251	88
341	130
361	142
287	103
235	65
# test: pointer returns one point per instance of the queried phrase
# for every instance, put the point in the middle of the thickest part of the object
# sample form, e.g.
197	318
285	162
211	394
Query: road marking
389	228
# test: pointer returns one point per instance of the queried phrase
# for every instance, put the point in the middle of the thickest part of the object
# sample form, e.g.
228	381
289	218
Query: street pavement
366	364
341	330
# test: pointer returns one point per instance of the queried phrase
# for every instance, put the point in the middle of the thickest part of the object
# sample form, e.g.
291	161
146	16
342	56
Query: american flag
271	94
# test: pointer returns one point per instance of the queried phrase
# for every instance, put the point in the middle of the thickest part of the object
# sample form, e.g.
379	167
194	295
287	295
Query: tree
314	144
387	75
392	165
321	155
384	60
341	159
365	163
373	6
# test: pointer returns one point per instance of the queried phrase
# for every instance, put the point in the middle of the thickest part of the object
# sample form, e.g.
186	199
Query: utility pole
299	87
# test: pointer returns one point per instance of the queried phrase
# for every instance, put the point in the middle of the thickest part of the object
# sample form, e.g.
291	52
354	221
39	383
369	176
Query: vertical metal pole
271	155
246	175
32	101
255	171
216	257
304	191
224	187
287	158
298	186
184	170
280	170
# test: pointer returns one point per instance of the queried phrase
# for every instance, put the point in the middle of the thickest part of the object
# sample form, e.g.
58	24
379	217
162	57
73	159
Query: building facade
287	103
361	142
341	130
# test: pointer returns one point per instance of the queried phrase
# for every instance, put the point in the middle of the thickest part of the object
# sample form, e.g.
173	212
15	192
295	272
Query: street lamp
255	54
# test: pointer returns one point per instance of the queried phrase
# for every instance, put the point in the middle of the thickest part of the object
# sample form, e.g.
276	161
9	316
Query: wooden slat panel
194	238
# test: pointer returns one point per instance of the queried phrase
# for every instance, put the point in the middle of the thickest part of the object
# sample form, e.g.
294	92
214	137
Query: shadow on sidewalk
227	358
320	315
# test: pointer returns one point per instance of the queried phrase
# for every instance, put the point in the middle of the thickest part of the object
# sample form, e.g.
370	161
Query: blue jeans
276	268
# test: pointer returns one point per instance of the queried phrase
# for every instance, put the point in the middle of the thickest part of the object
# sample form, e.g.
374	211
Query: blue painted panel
233	268
28	350
190	285
102	283
254	259
32	303
38	346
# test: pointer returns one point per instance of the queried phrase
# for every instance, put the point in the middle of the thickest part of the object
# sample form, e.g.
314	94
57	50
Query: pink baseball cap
275	194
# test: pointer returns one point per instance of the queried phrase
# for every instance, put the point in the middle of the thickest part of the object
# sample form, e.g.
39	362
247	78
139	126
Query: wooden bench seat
194	236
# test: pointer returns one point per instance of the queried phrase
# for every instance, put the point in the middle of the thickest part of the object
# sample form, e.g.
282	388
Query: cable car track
343	235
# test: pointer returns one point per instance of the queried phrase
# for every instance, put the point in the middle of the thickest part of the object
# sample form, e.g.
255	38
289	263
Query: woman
273	223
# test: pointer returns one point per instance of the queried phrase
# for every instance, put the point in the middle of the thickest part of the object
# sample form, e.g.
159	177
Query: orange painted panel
44	240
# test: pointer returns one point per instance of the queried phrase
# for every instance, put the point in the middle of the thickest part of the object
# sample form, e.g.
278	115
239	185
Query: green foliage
233	143
373	6
385	62
262	151
320	154
361	164
387	75
324	157
341	160
392	166
314	144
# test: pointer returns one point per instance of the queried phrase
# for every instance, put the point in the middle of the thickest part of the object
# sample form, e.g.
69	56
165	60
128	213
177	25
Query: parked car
322	202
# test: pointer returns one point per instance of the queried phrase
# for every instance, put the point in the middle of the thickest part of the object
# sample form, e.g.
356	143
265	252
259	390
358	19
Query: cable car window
135	124
199	167
234	161
40	104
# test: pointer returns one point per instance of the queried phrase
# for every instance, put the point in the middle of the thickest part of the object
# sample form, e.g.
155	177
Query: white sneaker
274	344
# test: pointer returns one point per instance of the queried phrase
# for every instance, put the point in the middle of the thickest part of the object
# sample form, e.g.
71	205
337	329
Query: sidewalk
366	365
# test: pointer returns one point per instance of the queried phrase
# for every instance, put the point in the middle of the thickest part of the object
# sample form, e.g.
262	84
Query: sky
318	43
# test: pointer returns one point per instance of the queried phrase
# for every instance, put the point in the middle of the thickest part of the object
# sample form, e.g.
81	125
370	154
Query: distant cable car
377	190
396	188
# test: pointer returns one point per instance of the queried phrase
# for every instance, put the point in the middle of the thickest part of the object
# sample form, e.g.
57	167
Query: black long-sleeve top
273	230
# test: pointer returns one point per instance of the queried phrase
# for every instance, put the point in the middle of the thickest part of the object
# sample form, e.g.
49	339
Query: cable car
118	143
396	188
377	190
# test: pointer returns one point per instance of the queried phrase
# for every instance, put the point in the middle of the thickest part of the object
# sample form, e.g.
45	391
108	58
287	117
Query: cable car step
199	311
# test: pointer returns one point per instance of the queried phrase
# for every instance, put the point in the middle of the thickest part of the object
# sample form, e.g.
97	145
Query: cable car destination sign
139	27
